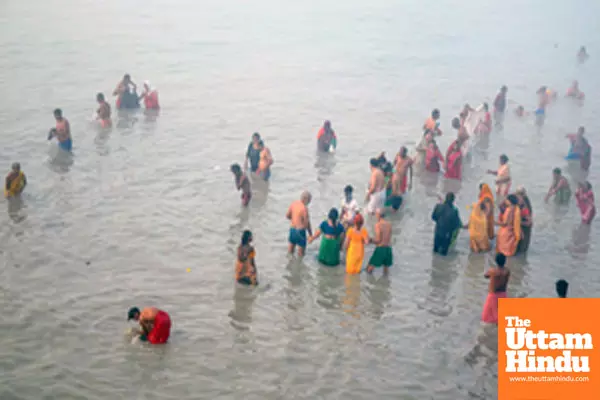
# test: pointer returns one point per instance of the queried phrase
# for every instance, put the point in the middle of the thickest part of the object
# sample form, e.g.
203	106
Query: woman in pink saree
509	234
433	157
585	202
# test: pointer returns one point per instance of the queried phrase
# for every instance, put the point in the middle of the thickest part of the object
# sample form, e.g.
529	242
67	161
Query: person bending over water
447	225
432	124
585	202
509	222
62	131
349	207
356	239
559	188
245	266
376	193
580	149
562	287
150	97
331	242
575	92
499	277
326	137
300	224
242	183
155	324
503	179
15	181
103	111
382	256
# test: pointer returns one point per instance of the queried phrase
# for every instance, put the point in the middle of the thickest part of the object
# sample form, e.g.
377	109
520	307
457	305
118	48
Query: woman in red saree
454	159
433	157
585	202
509	222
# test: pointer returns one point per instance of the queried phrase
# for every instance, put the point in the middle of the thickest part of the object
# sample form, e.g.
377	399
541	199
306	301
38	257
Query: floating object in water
188	270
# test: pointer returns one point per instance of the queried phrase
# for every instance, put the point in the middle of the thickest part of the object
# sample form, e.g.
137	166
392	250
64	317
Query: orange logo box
548	349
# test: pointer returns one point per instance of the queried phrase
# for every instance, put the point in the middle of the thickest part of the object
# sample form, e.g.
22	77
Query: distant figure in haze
585	202
485	126
432	124
245	266
500	105
499	277
543	101
447	225
299	224
580	149
559	188
15	181
574	91
150	97
520	112
126	94
582	55
242	183
103	111
382	256
326	137
562	287
62	131
155	324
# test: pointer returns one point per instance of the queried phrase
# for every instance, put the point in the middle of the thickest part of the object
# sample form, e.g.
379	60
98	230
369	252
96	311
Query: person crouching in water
245	266
155	324
15	181
150	97
242	183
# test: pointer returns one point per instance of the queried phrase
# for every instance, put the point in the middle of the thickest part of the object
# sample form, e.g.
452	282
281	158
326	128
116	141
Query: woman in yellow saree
487	197
15	181
478	232
509	233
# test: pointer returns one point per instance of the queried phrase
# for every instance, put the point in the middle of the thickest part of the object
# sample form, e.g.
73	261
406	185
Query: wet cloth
161	329
297	237
478	231
382	256
66	145
586	205
502	189
356	249
490	308
376	201
485	194
562	195
349	210
453	162
16	184
245	272
329	250
447	224
433	157
509	236
525	231
253	155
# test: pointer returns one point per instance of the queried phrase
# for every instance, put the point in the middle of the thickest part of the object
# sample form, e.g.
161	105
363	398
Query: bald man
299	224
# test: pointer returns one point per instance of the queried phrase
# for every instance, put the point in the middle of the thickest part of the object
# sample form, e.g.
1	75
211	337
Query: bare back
148	314
383	233
498	280
298	215
377	182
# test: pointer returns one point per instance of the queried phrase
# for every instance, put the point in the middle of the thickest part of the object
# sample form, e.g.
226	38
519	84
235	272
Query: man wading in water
300	224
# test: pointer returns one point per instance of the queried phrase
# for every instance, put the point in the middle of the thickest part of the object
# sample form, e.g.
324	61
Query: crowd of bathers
506	218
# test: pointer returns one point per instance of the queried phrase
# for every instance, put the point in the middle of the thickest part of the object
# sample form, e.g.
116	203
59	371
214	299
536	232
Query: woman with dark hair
326	138
509	222
585	202
526	219
245	268
333	236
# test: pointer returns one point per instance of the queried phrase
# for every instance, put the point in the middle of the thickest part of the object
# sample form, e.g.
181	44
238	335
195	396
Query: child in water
242	183
349	207
245	267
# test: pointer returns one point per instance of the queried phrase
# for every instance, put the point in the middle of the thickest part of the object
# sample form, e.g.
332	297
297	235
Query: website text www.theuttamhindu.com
534	379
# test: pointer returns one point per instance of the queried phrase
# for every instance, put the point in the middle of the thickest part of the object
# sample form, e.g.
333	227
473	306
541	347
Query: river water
119	223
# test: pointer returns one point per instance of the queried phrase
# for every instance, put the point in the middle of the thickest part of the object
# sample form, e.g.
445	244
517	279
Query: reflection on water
351	299
15	208
378	295
580	241
243	301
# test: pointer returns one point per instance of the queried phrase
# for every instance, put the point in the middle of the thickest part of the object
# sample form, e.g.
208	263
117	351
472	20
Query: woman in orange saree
487	197
509	222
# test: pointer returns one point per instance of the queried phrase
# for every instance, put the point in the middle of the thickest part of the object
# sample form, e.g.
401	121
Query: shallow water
118	224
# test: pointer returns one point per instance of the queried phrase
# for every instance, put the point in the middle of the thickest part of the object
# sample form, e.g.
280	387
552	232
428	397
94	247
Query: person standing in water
447	224
543	101
585	202
331	242
245	266
432	124
404	168
526	220
454	154
503	179
326	137
15	181
103	111
300	224
582	55
62	131
242	183
150	97
562	287
499	277
253	153
356	239
376	193
155	324
500	105
575	92
349	207
433	157
559	188
580	149
382	256
265	162
509	234
125	91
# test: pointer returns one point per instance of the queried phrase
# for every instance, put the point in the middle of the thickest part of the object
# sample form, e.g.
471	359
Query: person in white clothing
349	207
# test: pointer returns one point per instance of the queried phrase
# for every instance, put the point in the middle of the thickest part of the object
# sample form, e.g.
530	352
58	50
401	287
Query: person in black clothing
562	287
253	152
447	223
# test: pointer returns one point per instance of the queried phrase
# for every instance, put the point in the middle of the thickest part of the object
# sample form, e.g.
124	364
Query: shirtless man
103	112
376	193
155	324
242	183
299	224
404	168
62	131
265	162
498	277
382	256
